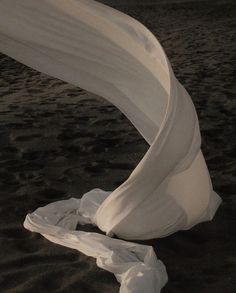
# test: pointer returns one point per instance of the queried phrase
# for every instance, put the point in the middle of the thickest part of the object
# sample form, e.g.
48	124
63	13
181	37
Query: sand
59	141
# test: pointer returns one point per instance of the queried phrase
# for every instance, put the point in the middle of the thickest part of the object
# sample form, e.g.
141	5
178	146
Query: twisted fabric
112	55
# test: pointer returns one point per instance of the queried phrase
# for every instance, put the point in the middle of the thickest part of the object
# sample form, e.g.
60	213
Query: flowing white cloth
112	55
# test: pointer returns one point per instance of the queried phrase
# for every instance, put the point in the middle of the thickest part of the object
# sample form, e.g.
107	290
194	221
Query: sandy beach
58	141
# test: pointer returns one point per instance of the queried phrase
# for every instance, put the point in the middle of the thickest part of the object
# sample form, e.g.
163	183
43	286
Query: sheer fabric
112	55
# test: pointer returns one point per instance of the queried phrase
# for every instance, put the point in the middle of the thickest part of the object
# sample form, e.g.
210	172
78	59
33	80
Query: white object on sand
112	55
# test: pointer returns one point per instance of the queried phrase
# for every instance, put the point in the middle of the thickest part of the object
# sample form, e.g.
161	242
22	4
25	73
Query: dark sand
58	141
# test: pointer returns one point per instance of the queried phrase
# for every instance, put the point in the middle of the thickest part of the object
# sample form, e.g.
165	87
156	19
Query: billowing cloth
112	55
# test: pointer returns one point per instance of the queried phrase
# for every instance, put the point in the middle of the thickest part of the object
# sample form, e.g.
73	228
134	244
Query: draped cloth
106	52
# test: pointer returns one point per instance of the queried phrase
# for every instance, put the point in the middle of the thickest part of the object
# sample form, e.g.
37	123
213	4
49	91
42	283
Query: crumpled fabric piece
135	266
106	52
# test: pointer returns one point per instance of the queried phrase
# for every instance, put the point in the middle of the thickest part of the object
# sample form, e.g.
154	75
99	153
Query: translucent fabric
112	55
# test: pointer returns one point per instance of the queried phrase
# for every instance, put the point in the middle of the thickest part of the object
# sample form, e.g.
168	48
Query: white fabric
110	54
135	266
